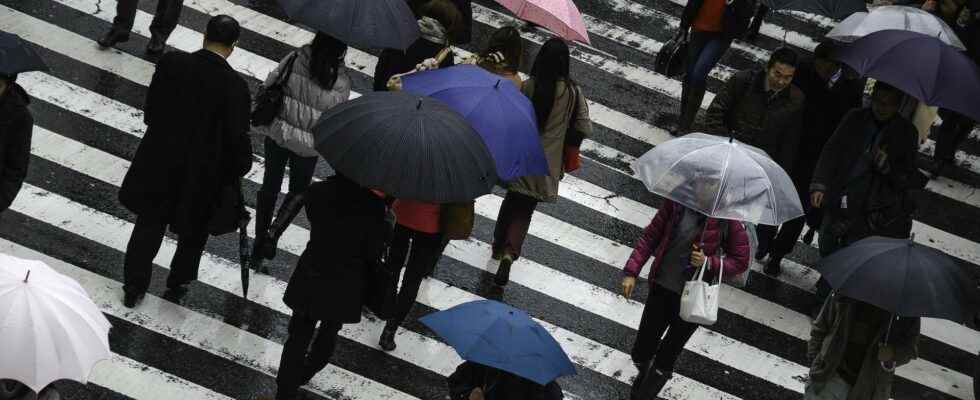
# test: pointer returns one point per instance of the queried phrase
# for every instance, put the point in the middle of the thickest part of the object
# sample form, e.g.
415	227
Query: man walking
164	22
16	125
196	143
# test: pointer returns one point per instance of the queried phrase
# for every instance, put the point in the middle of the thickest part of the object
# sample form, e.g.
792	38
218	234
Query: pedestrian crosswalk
214	345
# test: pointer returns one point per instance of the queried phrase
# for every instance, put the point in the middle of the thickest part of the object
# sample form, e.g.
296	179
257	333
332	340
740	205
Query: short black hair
823	50
886	88
223	29
784	55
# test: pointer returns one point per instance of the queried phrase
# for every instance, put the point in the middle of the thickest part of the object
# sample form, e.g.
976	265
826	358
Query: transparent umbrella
721	178
904	18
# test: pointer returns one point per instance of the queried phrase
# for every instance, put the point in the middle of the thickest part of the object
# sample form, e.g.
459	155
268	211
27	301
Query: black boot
642	367
112	38
265	204
503	272
689	108
132	299
652	383
774	266
387	340
156	45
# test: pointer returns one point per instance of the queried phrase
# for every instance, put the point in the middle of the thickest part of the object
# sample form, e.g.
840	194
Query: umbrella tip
28	276
419	105
731	139
911	238
497	85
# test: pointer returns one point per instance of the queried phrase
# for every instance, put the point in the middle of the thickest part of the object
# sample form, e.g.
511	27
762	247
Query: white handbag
699	302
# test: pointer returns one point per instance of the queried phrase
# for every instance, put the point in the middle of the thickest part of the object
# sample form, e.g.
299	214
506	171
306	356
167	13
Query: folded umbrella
49	326
836	9
721	178
244	250
502	115
497	335
407	146
922	66
363	23
18	56
903	277
560	16
903	18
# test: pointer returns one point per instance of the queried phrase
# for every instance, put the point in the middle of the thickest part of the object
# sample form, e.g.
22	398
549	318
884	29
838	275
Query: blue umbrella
500	336
496	109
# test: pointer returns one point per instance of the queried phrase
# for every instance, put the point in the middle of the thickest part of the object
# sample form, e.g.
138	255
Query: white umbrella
721	178
861	24
50	327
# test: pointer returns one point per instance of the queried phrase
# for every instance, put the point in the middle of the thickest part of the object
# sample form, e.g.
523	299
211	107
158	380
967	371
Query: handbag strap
287	70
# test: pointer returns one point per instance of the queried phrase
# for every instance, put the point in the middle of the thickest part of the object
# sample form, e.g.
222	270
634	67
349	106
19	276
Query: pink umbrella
560	16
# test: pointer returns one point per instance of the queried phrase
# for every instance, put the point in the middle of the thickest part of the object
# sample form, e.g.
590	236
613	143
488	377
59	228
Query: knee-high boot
690	104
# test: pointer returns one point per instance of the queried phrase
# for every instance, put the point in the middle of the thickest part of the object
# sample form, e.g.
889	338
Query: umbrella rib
671	167
724	179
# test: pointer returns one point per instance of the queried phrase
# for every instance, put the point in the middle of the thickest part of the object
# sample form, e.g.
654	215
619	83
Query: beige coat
545	188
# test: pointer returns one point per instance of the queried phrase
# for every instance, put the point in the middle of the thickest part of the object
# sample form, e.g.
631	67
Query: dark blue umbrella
500	113
836	9
922	66
386	24
17	56
500	336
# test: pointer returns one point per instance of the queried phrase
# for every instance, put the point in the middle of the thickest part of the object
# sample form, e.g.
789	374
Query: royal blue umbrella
922	66
500	336
496	109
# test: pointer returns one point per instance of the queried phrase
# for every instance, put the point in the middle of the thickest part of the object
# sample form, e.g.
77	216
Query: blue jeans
703	53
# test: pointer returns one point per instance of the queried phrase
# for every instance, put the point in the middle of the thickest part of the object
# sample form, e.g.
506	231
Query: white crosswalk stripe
568	278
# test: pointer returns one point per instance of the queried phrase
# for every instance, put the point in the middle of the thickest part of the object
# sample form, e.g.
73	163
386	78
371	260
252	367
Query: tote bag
699	302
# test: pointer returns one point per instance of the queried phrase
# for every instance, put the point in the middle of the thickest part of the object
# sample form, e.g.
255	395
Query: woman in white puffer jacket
317	81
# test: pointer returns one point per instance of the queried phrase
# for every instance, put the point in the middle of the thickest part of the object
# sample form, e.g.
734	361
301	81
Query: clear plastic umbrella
721	178
904	18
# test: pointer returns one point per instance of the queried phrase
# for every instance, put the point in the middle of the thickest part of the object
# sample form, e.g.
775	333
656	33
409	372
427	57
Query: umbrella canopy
922	66
903	18
386	24
560	16
17	56
502	115
500	336
721	178
50	327
901	276
836	9
407	146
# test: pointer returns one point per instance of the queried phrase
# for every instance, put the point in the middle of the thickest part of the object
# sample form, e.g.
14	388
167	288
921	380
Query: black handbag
380	290
268	103
229	211
672	58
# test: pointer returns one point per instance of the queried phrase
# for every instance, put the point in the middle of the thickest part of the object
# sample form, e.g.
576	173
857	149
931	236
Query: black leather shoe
131	300
112	38
156	46
503	272
175	293
774	266
387	340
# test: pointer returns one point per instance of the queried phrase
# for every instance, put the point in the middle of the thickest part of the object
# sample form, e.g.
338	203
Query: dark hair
325	59
506	40
446	13
223	29
886	88
550	66
783	55
823	50
9	78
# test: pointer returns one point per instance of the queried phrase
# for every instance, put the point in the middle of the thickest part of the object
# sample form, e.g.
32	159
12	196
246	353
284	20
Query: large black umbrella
903	277
409	147
836	9
17	56
362	23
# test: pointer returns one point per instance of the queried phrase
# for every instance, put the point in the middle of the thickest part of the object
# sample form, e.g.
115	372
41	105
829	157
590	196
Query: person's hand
629	283
697	256
816	199
427	64
929	5
476	394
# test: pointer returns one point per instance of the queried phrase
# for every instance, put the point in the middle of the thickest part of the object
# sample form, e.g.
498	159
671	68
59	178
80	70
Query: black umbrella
244	251
409	147
17	56
903	277
361	23
836	9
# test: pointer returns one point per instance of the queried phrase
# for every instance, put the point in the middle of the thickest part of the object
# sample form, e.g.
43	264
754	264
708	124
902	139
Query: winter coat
196	143
656	238
347	231
16	126
465	33
828	346
735	20
303	102
13	390
502	385
393	62
545	188
822	111
743	109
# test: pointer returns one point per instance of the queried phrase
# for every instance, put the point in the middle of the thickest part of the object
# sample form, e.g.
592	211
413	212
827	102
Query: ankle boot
774	266
642	367
503	272
387	340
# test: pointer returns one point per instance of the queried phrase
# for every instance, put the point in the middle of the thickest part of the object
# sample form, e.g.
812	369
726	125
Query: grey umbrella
836	9
408	146
361	23
17	56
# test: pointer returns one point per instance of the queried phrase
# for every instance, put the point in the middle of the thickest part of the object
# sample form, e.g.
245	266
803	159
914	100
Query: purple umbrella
922	66
495	108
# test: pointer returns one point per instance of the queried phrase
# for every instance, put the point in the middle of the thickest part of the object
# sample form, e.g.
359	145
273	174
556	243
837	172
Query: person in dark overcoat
196	143
348	228
16	126
438	22
477	381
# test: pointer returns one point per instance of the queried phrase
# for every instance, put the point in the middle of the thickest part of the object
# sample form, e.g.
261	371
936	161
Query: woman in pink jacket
680	240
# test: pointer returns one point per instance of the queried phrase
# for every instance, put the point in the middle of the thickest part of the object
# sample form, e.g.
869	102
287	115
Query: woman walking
561	110
680	239
317	81
439	21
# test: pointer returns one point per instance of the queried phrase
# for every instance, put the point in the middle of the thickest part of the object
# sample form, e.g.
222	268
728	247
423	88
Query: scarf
433	31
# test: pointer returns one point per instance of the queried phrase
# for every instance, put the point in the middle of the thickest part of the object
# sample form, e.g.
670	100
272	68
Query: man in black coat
164	23
830	94
16	125
196	143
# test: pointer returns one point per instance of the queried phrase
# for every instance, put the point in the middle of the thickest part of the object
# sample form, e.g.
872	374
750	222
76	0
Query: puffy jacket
652	243
303	103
